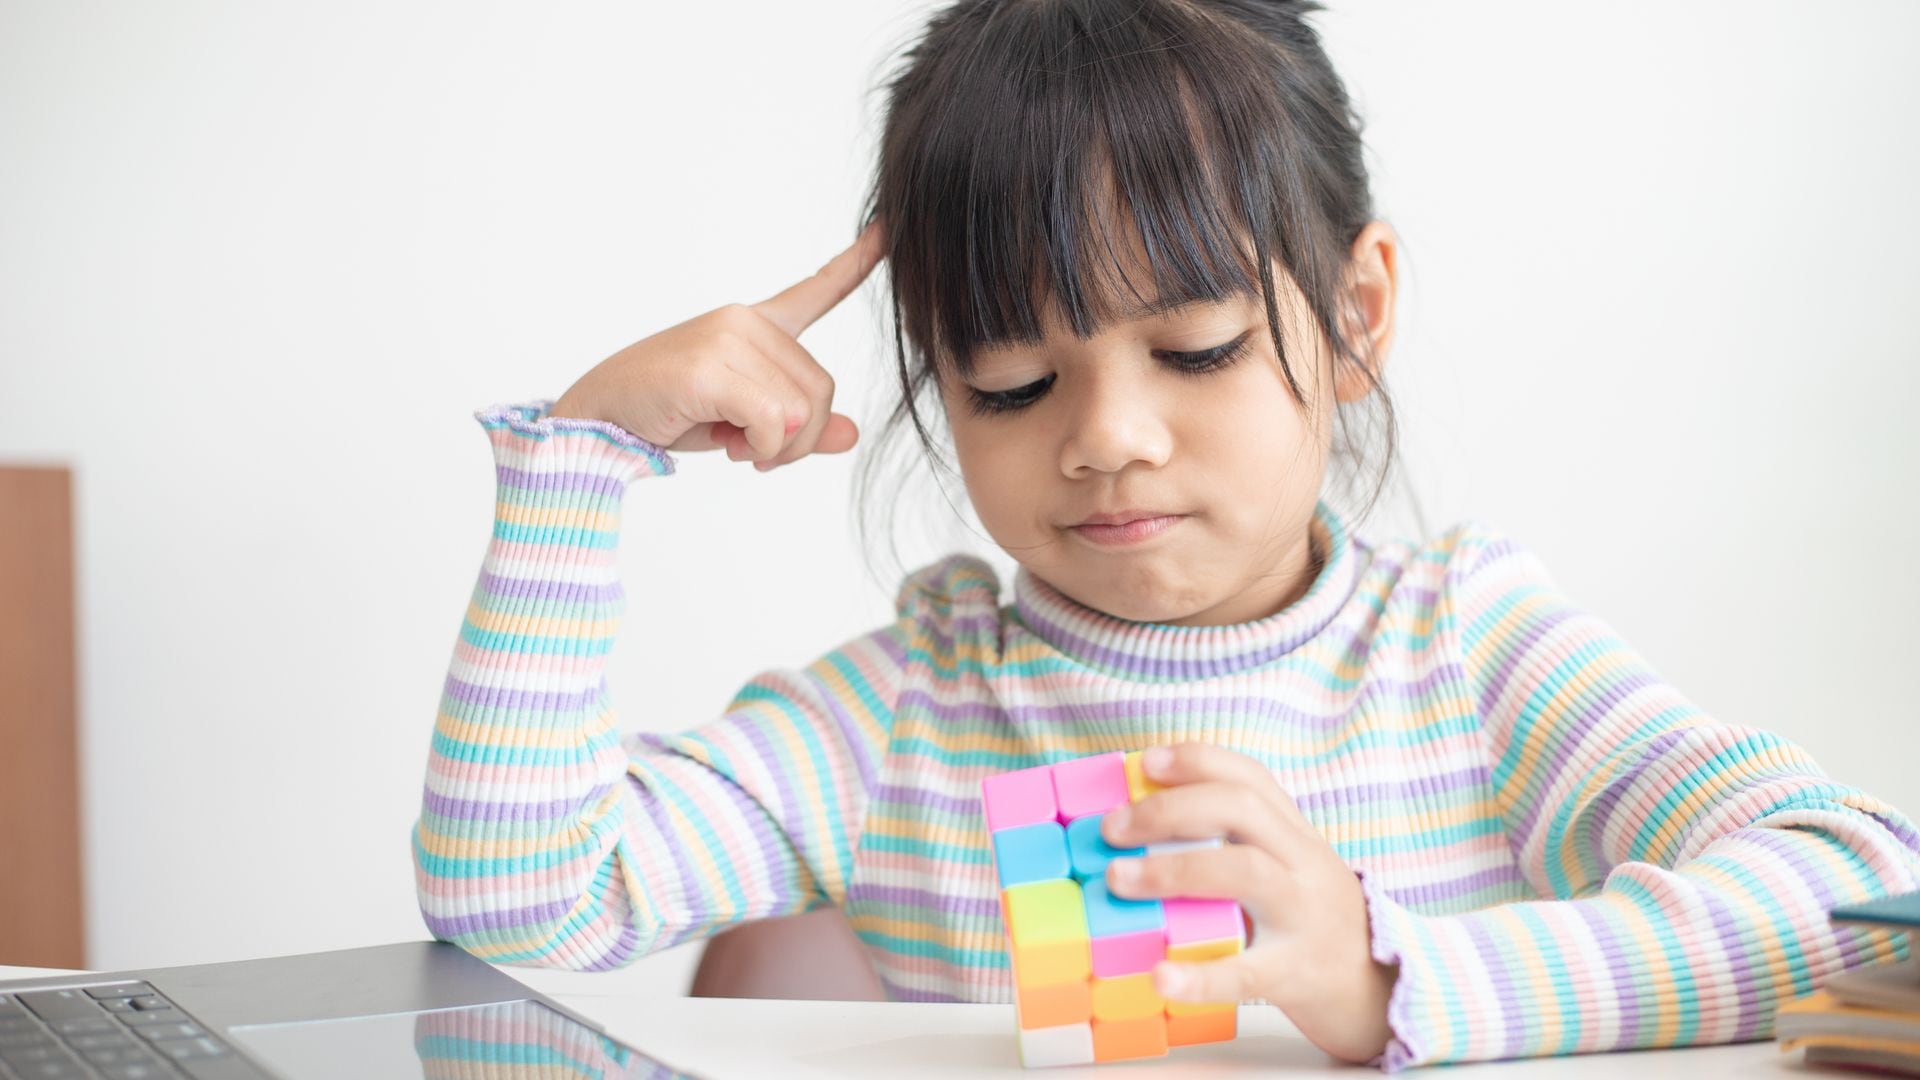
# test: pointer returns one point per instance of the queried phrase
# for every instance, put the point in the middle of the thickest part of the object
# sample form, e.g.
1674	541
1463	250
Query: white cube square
1068	1044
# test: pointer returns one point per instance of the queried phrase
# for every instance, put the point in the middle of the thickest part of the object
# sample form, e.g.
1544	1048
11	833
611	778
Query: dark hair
1018	128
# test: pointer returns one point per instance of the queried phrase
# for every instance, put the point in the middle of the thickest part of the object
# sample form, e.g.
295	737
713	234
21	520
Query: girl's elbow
556	934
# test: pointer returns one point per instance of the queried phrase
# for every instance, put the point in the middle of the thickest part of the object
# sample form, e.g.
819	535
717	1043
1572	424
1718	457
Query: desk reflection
519	1040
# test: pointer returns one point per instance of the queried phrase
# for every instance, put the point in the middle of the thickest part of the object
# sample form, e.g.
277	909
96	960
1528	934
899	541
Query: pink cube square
1128	954
1022	797
1090	785
1190	920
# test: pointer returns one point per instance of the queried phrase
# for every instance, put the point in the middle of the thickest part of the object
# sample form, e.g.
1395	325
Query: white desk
728	1038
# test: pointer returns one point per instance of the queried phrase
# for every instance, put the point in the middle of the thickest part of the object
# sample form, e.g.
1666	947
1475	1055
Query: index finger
799	305
1189	762
1194	762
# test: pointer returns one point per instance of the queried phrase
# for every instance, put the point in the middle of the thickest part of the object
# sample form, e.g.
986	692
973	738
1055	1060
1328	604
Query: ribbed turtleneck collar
1157	652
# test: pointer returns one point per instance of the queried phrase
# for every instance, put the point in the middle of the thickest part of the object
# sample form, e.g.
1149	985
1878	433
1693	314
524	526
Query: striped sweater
1558	849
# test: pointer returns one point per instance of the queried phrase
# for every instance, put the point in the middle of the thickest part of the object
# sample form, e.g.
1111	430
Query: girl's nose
1116	422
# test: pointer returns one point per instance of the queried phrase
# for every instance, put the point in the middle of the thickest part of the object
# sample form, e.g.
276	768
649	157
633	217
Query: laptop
416	1009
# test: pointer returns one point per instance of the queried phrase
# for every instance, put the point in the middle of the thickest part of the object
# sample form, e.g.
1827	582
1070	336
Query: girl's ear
1372	277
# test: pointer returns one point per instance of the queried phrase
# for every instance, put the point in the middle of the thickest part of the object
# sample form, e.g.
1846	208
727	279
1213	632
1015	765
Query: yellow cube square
1047	925
1056	962
1044	912
1200	952
1138	786
1127	997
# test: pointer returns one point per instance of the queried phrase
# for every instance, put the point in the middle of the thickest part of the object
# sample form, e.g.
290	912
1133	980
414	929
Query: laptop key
137	1070
88	1026
18	1022
224	1067
151	1001
96	1040
156	1032
182	1049
28	1037
60	1068
159	1016
17	1056
119	990
56	1005
117	1004
115	1055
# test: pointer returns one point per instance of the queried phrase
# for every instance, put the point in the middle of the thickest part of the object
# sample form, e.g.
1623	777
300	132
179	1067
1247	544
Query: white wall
258	264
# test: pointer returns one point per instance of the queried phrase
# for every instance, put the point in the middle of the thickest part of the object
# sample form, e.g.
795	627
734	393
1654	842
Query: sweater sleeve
547	838
1684	866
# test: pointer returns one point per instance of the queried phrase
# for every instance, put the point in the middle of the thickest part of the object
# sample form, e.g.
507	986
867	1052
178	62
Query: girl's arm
545	837
1689	863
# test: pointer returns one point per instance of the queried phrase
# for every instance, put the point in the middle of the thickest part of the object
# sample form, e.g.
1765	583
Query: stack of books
1867	1018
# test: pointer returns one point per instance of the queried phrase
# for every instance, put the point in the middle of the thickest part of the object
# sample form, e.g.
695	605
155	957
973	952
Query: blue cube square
1088	851
1036	852
1108	914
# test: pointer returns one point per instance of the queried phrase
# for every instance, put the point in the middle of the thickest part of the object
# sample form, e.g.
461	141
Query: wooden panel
40	898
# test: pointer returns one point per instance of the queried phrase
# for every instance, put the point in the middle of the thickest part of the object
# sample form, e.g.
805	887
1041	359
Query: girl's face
1184	414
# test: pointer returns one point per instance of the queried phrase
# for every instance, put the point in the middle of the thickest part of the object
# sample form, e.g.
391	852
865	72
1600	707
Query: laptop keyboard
121	1031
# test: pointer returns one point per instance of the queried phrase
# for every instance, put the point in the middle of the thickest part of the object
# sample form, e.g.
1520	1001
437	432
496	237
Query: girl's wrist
1351	1023
569	406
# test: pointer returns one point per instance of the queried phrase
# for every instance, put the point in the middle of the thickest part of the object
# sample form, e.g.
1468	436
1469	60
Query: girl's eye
990	402
1199	363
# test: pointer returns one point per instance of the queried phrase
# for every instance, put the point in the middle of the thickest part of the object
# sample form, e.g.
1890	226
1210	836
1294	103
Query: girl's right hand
734	377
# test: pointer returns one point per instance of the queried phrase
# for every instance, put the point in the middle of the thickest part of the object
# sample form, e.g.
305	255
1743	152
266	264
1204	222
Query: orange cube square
1216	1026
1052	1006
1119	1040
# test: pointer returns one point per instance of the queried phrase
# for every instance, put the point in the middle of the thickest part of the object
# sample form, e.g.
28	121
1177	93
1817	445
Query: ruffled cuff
1394	935
526	440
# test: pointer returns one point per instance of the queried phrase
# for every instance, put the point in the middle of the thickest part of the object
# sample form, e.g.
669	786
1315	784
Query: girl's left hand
1310	949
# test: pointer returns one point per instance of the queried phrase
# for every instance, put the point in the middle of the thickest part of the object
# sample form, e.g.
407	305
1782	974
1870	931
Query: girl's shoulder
1471	554
959	583
950	610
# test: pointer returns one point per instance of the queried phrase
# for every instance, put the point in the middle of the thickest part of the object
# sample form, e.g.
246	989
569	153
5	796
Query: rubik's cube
1082	956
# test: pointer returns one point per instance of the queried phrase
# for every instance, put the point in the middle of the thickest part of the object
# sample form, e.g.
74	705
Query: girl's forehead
1133	315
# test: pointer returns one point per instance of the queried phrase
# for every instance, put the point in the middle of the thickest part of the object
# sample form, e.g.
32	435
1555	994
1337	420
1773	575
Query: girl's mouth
1132	532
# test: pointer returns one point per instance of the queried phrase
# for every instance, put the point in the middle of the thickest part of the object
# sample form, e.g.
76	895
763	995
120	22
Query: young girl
1135	274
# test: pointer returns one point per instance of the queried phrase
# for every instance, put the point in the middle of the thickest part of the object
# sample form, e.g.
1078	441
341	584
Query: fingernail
1156	759
1125	871
1116	820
